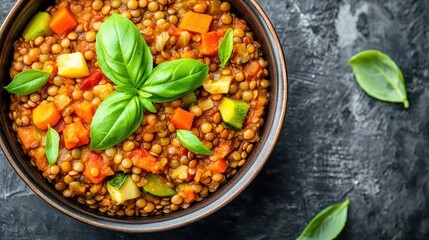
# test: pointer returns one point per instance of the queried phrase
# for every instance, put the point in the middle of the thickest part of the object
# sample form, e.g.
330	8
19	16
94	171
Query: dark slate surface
336	142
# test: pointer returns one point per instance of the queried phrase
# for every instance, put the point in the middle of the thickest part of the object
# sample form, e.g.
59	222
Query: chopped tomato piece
95	160
142	159
92	80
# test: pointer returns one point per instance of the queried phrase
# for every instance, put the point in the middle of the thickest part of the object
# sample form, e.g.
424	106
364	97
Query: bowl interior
275	112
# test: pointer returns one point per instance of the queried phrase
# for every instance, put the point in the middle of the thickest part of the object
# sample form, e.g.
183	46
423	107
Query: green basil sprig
28	81
122	52
172	80
192	143
226	47
125	58
117	117
52	145
379	76
327	224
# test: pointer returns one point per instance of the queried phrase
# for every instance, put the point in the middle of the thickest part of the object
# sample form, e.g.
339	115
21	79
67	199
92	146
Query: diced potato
102	91
61	101
219	86
72	65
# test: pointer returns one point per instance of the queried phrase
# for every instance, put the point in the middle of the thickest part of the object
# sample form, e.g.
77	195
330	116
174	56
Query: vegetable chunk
72	65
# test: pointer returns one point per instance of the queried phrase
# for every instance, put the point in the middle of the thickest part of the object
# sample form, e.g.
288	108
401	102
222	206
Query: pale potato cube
72	65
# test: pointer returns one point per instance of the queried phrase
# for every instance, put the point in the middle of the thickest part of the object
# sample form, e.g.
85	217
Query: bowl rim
204	208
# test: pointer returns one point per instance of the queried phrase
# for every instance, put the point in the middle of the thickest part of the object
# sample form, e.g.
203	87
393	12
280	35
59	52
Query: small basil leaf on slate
171	80
117	117
28	81
379	76
226	47
52	145
327	224
122	52
192	143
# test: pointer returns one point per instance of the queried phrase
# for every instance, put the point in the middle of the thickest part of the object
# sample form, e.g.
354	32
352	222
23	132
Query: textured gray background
336	142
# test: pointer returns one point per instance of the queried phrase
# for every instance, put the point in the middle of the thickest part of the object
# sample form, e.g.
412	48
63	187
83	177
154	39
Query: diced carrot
218	162
252	69
173	30
29	137
218	166
84	110
196	22
142	159
220	152
209	43
92	80
182	119
189	195
63	21
75	135
95	160
46	114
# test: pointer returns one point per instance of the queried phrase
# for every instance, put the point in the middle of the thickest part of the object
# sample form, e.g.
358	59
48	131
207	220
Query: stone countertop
336	143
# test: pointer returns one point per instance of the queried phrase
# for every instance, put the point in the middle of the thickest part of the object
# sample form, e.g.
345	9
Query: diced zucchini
219	86
188	99
233	112
118	180
127	188
72	65
156	187
38	26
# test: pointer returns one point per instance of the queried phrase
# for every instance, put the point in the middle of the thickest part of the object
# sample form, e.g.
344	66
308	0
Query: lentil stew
150	172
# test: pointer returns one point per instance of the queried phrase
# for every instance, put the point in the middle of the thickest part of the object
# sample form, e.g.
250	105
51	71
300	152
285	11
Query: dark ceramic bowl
266	35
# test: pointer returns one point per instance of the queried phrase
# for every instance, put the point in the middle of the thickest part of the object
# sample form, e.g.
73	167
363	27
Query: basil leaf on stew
327	224
147	105
122	52
52	145
171	80
192	143
226	47
117	117
379	76
28	81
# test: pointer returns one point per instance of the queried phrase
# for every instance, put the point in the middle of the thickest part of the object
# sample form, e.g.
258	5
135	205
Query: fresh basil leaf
52	145
192	143
117	180
122	52
147	105
126	89
171	80
327	224
28	81
379	76
117	117
226	47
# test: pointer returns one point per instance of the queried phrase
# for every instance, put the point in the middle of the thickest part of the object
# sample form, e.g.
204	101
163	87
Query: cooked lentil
189	174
